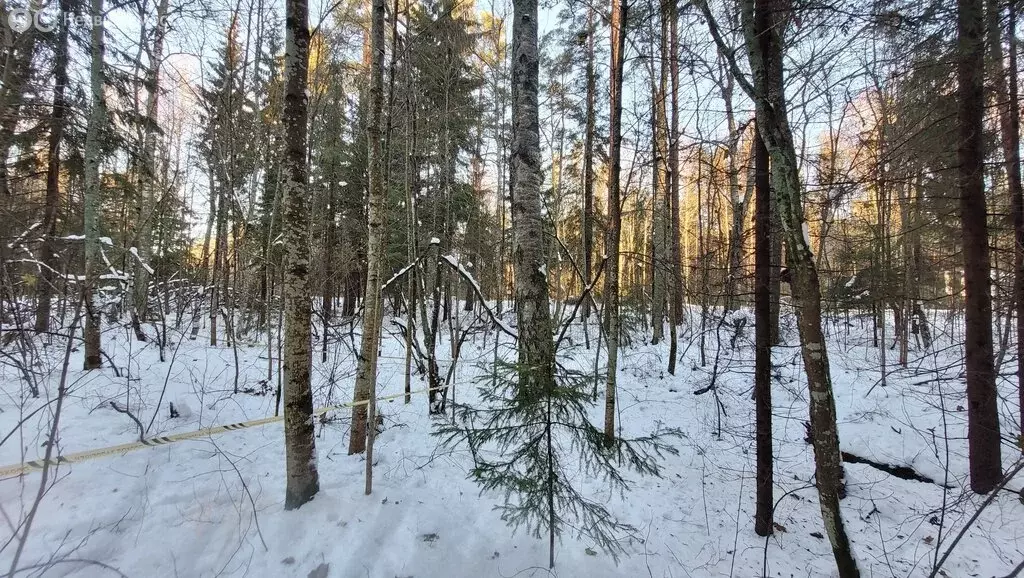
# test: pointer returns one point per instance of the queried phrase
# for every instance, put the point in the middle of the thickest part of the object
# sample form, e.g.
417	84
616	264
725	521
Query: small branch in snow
125	411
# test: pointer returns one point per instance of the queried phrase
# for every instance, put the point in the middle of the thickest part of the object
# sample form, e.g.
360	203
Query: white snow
183	408
207	506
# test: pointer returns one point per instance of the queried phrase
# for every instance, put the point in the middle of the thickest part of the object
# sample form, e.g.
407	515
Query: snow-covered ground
214	506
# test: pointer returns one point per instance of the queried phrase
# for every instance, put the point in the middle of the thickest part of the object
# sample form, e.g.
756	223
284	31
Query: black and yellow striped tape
32	465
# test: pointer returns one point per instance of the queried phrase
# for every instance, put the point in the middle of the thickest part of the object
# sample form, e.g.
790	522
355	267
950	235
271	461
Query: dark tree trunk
611	285
762	337
676	290
48	253
982	410
588	161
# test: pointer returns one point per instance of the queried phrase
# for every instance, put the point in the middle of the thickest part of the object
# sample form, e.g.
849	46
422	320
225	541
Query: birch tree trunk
96	125
533	313
982	410
302	478
536	345
366	369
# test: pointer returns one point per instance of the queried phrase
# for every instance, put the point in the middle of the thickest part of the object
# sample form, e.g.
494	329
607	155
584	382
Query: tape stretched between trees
34	465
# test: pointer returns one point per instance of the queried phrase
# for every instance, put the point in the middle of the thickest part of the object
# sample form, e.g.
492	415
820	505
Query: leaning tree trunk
611	284
302	478
93	134
762	28
366	369
765	50
48	253
982	409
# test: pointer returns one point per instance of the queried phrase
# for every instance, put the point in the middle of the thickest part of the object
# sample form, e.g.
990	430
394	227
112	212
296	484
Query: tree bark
148	198
16	71
661	206
611	284
93	134
1009	128
48	251
676	291
536	346
588	161
366	369
763	23
763	352
302	478
982	410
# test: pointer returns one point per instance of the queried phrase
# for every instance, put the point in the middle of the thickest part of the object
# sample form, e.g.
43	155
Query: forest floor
214	506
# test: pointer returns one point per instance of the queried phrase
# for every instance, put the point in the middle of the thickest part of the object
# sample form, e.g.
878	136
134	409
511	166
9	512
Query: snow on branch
585	295
135	253
17	240
458	268
401	273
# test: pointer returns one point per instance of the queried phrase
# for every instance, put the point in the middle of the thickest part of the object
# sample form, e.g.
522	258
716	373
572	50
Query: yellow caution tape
18	469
